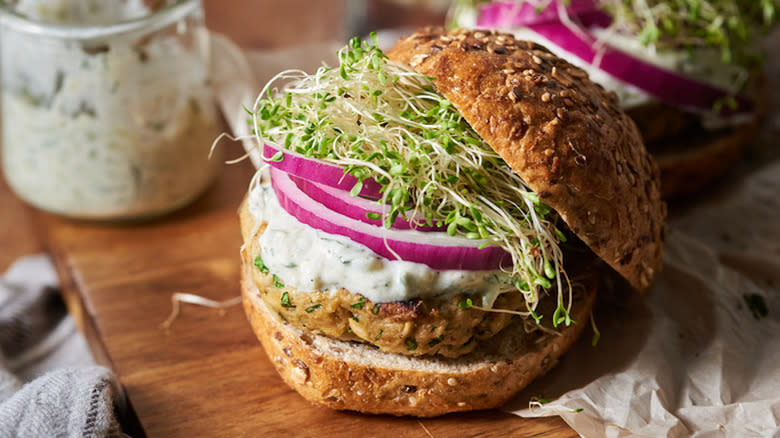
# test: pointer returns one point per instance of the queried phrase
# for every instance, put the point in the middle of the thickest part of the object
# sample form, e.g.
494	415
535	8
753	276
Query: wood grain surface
18	233
207	375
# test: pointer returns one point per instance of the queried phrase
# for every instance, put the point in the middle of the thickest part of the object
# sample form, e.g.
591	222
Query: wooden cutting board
207	375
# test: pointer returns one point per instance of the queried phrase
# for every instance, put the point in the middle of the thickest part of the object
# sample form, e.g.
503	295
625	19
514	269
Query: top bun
563	134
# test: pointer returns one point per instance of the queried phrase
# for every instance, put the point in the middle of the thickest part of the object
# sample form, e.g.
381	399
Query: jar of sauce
107	112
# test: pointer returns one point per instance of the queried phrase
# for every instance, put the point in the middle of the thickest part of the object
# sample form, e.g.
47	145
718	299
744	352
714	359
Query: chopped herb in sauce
260	265
313	308
359	304
757	305
286	300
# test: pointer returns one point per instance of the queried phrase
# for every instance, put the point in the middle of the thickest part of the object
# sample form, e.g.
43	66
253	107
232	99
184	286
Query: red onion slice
356	208
318	171
665	85
510	13
436	250
668	86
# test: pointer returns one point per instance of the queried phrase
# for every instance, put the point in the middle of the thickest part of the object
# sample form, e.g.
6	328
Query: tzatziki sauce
309	259
117	127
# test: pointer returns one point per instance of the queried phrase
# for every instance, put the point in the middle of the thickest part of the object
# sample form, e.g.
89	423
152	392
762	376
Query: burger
428	228
687	72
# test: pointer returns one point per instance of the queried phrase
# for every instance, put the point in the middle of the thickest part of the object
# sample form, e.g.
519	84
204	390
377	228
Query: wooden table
207	375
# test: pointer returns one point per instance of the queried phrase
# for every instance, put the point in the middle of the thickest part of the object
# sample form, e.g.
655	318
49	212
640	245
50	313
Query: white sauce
106	129
309	259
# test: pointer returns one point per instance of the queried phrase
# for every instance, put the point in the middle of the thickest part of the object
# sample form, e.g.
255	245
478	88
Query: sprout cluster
381	120
732	26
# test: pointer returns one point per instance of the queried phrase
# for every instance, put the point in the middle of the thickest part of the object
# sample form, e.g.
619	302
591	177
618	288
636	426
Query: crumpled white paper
690	358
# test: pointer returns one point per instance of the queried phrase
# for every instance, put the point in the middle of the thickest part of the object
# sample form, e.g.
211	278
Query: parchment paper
689	359
692	358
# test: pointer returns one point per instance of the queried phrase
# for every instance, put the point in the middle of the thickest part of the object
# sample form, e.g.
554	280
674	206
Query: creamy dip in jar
106	107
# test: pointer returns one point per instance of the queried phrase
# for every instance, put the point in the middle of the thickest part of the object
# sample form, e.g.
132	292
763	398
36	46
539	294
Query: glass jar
107	112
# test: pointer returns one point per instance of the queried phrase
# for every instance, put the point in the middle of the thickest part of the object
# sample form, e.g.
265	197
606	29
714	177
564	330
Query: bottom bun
689	159
358	377
687	165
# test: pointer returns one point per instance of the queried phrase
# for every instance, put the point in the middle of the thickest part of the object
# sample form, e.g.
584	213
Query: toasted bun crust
353	376
563	134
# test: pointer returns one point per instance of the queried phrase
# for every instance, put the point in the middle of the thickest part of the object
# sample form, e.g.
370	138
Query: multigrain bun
693	161
566	137
359	377
563	134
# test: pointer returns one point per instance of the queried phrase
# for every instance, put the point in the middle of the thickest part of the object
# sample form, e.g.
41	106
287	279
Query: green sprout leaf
359	304
356	189
277	157
467	304
535	316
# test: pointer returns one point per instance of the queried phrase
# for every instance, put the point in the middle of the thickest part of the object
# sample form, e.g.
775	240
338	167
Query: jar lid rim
156	20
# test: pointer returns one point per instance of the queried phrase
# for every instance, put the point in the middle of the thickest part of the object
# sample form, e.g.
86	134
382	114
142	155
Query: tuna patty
416	327
438	325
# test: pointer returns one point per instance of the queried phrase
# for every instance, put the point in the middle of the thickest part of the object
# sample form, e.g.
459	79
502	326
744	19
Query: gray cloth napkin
75	399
